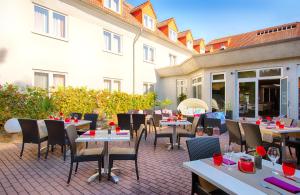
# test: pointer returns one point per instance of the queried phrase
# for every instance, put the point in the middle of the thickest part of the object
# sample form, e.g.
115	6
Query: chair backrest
93	118
212	122
195	124
148	112
124	121
156	119
72	135
30	130
76	114
56	132
203	147
138	120
287	121
252	135
139	137
235	134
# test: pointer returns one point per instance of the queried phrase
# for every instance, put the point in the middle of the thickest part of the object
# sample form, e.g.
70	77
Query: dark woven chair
31	134
189	134
76	114
91	117
214	122
56	136
82	155
253	138
117	153
287	121
137	121
201	148
161	134
235	135
124	121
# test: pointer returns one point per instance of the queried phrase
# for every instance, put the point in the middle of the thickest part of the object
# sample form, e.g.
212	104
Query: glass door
284	97
247	99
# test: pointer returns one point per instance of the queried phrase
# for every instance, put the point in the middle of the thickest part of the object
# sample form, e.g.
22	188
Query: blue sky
210	19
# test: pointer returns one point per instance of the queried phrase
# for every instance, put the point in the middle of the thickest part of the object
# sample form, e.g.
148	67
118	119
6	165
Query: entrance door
284	96
247	99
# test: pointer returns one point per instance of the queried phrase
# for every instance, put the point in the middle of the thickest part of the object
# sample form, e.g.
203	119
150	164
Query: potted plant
181	97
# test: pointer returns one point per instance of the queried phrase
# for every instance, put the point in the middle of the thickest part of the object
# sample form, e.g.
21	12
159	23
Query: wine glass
273	154
228	151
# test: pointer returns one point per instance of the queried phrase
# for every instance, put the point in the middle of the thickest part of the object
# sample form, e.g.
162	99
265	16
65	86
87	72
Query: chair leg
86	144
241	147
76	167
21	154
47	150
99	167
155	140
70	172
171	141
178	140
39	150
136	170
52	148
110	164
64	148
146	134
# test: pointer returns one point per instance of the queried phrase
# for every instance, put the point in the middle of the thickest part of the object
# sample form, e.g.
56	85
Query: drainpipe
133	55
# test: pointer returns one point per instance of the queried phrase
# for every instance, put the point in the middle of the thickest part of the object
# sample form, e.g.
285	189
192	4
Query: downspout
133	55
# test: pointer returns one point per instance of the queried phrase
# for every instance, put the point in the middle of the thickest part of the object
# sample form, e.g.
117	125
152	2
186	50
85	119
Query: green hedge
38	104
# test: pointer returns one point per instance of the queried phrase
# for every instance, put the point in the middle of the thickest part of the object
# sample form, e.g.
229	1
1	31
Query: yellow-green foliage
70	99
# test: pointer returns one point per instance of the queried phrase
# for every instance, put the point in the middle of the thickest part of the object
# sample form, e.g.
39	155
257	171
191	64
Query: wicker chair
91	117
56	136
235	135
82	155
117	153
161	134
189	134
137	121
31	134
201	148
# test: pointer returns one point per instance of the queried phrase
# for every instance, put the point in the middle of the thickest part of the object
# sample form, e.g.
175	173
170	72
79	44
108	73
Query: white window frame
172	58
50	24
112	49
148	57
110	5
173	35
189	44
197	83
146	22
50	77
218	81
112	80
183	86
148	88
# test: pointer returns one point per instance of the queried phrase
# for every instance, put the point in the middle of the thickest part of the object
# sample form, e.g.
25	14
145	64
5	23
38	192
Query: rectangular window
59	25
49	22
112	85
197	87
148	22
148	53
58	80
181	87
112	42
41	80
113	5
41	19
148	87
247	99
270	72
47	79
218	92
172	59
172	35
247	74
190	45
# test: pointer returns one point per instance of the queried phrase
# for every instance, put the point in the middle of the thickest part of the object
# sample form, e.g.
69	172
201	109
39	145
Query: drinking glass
228	151
289	168
273	154
217	159
92	132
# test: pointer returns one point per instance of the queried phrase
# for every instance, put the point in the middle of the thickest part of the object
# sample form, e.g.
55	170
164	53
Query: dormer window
148	22
172	35
189	45
112	5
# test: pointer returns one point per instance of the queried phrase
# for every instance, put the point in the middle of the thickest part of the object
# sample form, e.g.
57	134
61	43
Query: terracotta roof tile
164	23
197	41
183	33
265	35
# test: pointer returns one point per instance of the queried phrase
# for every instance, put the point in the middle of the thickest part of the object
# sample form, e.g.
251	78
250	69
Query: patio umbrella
191	103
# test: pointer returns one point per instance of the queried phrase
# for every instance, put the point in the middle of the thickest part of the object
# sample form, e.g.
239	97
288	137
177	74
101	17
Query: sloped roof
198	41
166	22
265	35
184	33
141	6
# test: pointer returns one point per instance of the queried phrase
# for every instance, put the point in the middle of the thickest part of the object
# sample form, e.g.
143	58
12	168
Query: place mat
228	162
251	179
282	184
122	133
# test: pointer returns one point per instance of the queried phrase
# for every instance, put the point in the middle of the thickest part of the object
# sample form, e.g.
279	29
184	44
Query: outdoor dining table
174	124
233	181
103	136
283	133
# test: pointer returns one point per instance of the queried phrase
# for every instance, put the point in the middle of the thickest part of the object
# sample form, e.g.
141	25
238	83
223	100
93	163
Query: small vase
258	162
109	130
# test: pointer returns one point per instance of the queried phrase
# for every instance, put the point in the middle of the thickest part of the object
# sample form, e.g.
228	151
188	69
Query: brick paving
161	172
